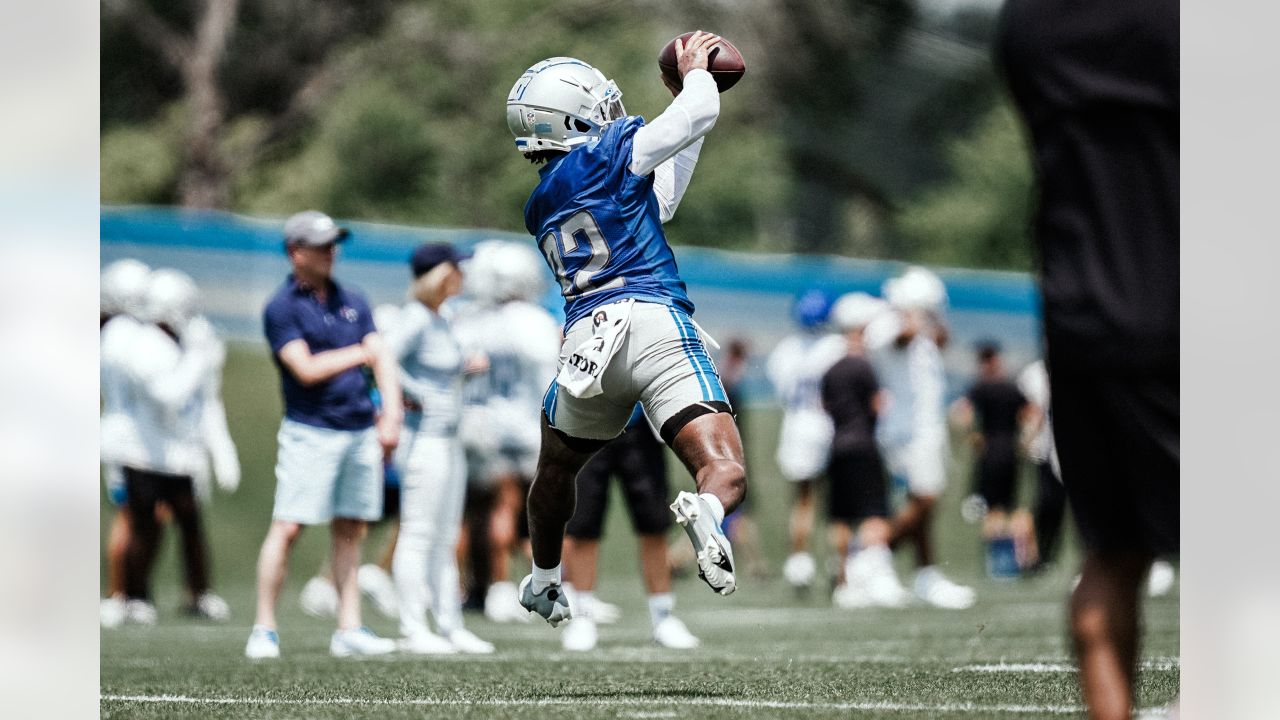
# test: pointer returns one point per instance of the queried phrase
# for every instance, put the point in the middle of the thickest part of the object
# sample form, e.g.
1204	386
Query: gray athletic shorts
661	363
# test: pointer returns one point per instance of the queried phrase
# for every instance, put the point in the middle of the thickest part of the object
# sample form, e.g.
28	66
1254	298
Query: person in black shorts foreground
639	460
858	488
996	405
1098	86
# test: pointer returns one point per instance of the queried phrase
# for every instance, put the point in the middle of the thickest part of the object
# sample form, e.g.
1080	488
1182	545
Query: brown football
724	62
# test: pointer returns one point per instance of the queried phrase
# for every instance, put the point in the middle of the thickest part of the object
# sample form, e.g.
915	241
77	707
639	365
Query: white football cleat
319	598
935	589
605	613
426	643
466	642
551	604
799	570
502	603
710	546
210	606
671	633
850	597
377	585
870	571
263	643
140	612
580	635
359	641
111	611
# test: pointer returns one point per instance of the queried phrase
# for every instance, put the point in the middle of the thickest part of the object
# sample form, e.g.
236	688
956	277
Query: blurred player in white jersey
122	291
170	372
905	347
518	343
795	368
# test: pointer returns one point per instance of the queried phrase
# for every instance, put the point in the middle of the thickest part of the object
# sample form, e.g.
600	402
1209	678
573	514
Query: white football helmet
856	310
916	289
561	103
520	272
171	299
123	286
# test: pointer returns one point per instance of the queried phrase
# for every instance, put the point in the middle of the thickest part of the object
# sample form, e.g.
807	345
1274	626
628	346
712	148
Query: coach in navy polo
332	439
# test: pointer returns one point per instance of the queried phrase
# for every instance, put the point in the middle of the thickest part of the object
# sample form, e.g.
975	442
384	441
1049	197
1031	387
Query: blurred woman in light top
431	460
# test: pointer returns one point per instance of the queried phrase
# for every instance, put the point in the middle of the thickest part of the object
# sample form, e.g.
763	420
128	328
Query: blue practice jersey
598	226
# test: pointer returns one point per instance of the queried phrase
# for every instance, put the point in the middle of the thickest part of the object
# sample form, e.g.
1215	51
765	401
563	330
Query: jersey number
579	228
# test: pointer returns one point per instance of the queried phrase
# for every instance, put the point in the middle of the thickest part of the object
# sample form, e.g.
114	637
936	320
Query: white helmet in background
916	289
480	280
519	272
123	286
561	103
385	317
170	299
856	310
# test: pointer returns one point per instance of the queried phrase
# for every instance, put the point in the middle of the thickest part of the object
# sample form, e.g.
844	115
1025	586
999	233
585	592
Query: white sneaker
502	604
360	641
377	585
710	546
935	589
871	571
111	612
799	570
605	613
850	597
140	612
263	643
426	643
466	642
319	598
579	635
1161	578
210	606
671	633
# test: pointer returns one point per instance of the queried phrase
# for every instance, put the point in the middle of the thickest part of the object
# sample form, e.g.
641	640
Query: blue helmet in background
812	308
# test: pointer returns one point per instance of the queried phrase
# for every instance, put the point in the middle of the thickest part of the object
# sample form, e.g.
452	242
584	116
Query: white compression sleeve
671	179
690	116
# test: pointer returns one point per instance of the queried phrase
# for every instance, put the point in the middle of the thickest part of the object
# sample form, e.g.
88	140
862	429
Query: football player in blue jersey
608	182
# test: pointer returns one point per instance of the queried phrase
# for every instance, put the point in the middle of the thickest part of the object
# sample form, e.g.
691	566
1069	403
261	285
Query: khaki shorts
661	363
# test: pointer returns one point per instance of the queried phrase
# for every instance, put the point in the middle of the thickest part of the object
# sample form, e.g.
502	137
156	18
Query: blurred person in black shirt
998	408
858	486
1098	86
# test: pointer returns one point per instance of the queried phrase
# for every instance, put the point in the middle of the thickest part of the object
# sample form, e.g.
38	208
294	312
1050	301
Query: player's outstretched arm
689	117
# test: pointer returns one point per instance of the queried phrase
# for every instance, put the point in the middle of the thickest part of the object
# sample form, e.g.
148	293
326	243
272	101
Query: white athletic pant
433	487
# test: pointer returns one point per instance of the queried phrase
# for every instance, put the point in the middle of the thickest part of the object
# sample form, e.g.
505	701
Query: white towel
581	374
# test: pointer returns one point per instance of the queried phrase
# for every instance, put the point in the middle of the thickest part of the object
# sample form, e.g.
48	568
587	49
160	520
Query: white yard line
620	702
1161	664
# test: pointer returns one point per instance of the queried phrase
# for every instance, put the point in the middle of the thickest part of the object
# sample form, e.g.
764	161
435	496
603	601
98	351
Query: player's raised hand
694	55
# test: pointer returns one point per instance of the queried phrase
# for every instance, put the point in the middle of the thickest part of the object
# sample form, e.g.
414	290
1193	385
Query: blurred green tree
981	215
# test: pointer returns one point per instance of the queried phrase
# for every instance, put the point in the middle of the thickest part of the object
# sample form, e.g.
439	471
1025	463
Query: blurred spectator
859	493
332	441
1037	441
905	346
795	368
1098	86
638	459
434	479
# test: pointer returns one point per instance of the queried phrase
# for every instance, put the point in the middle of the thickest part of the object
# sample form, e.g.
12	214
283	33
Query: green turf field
765	653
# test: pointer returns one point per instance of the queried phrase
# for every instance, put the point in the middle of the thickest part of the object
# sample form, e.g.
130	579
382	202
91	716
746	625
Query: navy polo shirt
344	319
